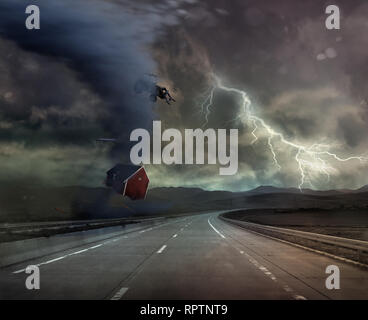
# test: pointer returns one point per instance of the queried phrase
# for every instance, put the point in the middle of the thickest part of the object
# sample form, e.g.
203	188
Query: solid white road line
42	263
119	294
62	257
162	248
80	251
90	248
218	232
311	250
97	246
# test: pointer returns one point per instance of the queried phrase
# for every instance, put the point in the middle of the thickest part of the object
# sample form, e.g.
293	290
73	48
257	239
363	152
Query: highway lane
198	257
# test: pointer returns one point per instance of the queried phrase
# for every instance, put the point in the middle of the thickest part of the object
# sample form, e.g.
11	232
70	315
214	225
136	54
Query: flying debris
106	140
162	93
147	84
128	180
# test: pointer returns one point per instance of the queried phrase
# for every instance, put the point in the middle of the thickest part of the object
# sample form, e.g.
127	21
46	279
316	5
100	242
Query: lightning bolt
206	105
311	160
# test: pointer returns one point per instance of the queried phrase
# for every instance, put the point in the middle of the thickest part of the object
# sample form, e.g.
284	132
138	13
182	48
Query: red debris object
128	180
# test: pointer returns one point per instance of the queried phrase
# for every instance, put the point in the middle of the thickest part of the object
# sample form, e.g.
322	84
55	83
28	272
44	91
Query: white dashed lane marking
271	275
162	248
118	295
264	269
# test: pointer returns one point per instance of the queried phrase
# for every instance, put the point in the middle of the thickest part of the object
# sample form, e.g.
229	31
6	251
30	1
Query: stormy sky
72	81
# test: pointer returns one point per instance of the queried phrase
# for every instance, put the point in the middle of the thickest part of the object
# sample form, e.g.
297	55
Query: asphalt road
197	257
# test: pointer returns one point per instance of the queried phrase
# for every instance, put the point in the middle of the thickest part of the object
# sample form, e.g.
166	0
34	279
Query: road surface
196	257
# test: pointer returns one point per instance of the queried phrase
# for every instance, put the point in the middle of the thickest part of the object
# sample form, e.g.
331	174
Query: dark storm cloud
100	44
43	102
70	82
307	82
73	80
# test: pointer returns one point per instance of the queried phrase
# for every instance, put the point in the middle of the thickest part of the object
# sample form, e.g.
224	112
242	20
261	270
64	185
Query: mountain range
18	204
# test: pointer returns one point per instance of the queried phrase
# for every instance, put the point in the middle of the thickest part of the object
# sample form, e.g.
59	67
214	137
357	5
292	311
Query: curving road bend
197	257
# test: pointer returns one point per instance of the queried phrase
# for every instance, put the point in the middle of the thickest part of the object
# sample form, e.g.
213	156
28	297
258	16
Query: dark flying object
162	93
128	180
106	140
148	84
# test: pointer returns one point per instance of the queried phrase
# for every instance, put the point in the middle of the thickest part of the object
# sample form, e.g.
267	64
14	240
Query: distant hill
19	204
196	199
183	195
362	189
271	189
